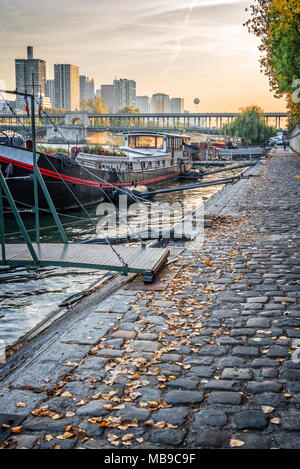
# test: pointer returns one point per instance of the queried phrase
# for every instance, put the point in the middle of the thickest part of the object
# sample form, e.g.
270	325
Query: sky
185	48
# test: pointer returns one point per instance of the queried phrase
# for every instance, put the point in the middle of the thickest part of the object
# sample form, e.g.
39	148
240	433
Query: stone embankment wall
294	139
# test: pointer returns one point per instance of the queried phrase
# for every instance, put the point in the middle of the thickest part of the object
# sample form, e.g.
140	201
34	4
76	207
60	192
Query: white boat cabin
144	151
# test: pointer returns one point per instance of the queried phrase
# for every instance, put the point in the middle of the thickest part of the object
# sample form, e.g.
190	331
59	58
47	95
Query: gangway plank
88	256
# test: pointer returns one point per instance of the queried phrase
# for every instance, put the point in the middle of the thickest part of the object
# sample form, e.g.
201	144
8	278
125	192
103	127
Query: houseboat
86	178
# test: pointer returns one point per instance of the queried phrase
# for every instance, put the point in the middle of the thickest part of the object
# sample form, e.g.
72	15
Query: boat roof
156	134
143	151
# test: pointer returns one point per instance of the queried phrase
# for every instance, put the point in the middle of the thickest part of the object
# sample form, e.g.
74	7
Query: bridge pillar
72	116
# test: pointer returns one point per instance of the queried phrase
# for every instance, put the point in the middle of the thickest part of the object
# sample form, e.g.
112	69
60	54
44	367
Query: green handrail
18	219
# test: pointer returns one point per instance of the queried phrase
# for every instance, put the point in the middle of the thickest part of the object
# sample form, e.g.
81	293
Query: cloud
184	47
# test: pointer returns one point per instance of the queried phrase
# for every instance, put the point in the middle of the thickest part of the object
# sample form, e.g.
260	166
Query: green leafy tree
277	24
251	125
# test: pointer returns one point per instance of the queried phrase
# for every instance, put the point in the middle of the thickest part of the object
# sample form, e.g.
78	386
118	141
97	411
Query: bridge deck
147	261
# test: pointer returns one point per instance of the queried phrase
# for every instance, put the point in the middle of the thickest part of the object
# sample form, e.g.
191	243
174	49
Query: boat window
159	142
145	142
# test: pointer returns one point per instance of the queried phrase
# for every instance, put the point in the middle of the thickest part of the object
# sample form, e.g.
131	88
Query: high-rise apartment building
124	93
30	76
177	105
66	83
50	91
160	103
143	104
107	95
87	88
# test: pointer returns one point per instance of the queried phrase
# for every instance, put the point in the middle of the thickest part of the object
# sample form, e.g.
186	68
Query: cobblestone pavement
210	362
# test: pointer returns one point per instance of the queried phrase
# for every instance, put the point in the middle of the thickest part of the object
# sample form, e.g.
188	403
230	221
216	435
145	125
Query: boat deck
91	256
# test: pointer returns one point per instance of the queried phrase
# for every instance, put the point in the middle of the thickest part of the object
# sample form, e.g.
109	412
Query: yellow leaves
71	364
17	430
20	404
276	421
108	407
68	428
286	394
236	443
66	394
55	416
65	436
267	409
210	264
80	433
41	411
55	447
159	425
127	437
48	437
113	439
94	419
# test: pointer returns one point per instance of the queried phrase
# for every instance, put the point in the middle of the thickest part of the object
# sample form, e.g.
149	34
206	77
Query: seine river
29	295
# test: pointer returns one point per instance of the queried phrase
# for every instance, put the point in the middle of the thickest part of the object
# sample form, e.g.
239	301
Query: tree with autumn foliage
277	24
94	105
251	125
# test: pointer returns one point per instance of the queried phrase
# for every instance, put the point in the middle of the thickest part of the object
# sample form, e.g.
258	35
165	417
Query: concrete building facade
66	83
50	91
160	103
107	95
124	93
177	105
87	88
28	72
143	104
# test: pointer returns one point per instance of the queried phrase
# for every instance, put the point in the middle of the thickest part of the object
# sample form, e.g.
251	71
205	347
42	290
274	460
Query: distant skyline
184	48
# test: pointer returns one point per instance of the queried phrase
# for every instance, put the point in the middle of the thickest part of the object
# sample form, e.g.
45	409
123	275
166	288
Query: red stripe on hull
74	180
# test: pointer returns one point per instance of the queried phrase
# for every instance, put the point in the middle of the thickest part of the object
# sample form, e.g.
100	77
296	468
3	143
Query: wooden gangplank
90	256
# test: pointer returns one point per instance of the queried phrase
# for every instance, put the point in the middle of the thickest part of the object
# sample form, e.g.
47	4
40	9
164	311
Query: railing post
2	232
51	205
35	181
18	218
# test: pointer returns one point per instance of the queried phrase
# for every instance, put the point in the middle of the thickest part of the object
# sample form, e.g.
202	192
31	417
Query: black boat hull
70	184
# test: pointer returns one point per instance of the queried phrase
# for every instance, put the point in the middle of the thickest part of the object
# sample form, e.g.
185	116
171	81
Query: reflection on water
28	295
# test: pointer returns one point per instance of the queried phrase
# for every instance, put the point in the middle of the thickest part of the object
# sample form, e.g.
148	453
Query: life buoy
75	151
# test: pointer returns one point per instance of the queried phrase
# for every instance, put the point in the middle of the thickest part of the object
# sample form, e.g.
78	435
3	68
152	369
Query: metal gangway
125	259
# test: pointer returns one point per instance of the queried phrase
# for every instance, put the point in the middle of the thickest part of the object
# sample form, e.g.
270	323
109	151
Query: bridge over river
81	126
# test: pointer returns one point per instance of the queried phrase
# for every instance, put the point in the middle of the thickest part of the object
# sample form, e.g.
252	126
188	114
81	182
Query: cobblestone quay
209	362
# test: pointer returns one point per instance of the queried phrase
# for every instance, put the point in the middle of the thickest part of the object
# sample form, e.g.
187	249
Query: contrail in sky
178	46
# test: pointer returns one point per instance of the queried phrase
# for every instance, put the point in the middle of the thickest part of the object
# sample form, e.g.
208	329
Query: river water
29	295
